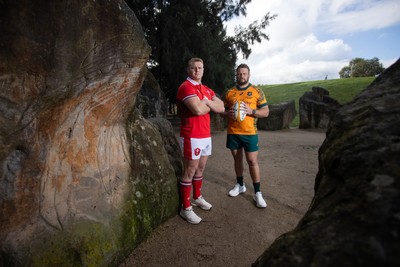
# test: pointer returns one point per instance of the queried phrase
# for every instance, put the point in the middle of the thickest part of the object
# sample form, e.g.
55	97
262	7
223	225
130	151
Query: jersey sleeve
262	100
184	92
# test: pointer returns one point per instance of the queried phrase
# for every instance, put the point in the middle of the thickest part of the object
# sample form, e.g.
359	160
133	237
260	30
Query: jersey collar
243	88
192	81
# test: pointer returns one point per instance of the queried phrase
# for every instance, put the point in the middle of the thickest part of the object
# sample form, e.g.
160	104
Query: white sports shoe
260	202
238	189
202	203
189	215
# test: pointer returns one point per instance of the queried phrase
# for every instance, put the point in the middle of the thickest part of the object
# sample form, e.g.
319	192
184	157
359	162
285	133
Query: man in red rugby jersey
195	100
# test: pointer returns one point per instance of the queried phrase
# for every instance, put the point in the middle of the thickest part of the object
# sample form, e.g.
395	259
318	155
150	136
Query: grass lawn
343	90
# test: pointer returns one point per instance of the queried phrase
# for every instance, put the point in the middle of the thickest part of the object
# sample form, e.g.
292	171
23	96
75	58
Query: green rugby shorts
237	141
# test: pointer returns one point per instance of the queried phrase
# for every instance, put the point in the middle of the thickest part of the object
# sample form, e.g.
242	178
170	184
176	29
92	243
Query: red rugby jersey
191	125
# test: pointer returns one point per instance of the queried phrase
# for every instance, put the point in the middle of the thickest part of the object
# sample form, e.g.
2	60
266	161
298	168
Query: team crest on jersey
197	151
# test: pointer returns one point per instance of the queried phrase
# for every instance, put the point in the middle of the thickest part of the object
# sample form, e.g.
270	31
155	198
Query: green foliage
177	30
345	72
360	67
228	8
246	36
343	90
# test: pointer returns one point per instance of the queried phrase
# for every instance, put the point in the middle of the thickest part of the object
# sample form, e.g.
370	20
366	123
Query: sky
314	39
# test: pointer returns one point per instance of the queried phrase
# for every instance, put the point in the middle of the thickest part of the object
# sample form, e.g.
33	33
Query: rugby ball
238	110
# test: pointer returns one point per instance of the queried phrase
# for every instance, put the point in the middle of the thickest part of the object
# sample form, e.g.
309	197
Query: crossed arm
201	107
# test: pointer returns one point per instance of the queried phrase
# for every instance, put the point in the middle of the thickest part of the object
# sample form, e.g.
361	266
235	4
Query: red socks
185	188
197	183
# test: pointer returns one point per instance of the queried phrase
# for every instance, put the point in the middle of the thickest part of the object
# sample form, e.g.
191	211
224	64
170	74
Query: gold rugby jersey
252	96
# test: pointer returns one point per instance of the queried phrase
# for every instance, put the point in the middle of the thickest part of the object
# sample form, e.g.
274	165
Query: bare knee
252	162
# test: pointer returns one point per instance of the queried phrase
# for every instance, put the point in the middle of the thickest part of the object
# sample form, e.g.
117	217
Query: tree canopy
360	67
177	30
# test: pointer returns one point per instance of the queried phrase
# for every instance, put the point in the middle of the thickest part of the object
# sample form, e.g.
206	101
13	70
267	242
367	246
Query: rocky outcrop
151	101
81	170
316	109
280	116
170	143
354	218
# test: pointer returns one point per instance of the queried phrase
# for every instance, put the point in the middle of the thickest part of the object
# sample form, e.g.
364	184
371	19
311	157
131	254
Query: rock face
280	116
316	109
151	101
354	218
170	143
81	170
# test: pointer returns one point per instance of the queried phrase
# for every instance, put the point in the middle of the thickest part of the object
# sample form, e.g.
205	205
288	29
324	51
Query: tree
360	67
177	30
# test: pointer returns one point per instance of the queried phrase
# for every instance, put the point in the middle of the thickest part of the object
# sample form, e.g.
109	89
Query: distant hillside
343	90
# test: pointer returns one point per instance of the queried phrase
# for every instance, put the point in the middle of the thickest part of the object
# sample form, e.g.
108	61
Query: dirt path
235	232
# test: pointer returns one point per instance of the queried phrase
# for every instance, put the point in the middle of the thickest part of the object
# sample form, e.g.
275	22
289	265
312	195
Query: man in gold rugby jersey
242	136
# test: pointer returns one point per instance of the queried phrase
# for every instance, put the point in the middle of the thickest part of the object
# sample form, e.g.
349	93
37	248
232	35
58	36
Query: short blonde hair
194	59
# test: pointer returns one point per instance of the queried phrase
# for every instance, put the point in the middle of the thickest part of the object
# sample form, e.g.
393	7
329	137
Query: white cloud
310	48
303	59
295	52
366	15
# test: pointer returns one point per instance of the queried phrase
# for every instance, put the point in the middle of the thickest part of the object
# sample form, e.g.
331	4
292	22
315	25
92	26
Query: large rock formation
280	116
170	143
316	109
151	101
354	218
81	171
